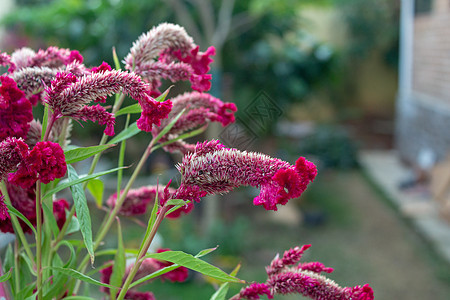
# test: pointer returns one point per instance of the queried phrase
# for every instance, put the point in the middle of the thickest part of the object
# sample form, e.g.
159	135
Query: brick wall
431	52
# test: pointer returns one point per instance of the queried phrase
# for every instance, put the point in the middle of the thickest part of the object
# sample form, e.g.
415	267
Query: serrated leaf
81	179
132	130
131	109
18	214
221	293
96	188
81	153
206	252
6	276
193	263
82	210
119	264
80	276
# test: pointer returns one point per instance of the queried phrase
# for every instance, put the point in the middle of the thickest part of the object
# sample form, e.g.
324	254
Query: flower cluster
305	279
168	52
214	169
200	110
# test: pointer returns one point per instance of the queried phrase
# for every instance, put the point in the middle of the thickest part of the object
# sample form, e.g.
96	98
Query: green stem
140	257
17	228
112	215
39	240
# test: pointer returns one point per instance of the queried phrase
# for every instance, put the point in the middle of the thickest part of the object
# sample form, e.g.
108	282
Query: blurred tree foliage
260	43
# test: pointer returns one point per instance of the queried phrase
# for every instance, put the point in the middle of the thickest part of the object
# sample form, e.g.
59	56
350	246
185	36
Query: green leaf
182	137
44	122
115	59
180	202
58	283
221	293
79	154
26	292
163	96
151	221
132	130
29	263
6	276
193	263
169	126
119	263
206	252
50	218
154	274
132	109
80	276
96	188
18	214
84	218
69	183
74	226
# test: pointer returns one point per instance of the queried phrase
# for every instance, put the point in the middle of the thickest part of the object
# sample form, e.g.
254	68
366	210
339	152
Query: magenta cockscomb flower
290	257
54	57
68	96
168	52
45	162
305	279
5	59
201	109
13	151
213	168
137	200
15	110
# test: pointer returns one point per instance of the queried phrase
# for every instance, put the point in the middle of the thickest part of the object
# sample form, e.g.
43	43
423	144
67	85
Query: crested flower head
15	110
54	57
201	109
68	96
304	279
13	151
45	162
213	168
168	52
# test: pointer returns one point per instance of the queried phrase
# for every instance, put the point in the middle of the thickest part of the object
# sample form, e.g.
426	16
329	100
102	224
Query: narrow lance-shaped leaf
132	130
221	293
169	126
79	154
193	263
131	109
18	214
84	218
80	276
96	188
119	263
6	276
81	179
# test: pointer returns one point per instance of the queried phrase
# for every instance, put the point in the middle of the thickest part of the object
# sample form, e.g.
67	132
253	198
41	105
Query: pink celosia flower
15	110
68	96
54	57
254	291
290	257
168	43
24	200
201	109
136	201
5	59
31	79
303	279
13	151
213	169
45	162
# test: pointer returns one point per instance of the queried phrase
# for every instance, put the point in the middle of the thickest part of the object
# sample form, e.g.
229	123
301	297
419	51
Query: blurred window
422	7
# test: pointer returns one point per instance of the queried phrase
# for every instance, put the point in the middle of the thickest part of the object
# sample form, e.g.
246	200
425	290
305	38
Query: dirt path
364	240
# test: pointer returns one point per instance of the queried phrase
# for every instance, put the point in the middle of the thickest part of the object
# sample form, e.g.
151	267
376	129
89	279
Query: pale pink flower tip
212	168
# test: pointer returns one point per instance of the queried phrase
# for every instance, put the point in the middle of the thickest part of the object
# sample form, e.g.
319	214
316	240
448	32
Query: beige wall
431	53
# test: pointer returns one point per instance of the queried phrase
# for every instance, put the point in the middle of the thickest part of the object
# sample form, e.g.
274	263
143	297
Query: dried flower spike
213	168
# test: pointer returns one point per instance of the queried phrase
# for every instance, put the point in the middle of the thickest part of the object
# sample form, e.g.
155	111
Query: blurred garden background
314	78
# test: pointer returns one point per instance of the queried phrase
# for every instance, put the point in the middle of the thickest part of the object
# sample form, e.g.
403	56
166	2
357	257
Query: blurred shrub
332	146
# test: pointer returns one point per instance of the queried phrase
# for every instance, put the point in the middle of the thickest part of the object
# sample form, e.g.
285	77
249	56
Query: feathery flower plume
34	134
20	58
15	110
5	59
201	109
213	168
54	57
31	80
303	279
154	55
68	96
45	162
